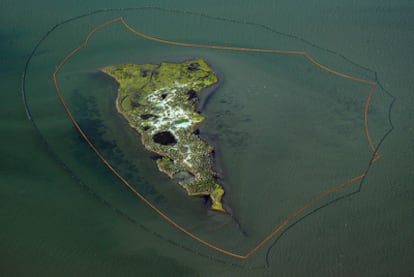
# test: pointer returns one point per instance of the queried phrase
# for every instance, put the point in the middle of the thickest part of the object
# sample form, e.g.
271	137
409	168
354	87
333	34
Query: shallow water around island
283	128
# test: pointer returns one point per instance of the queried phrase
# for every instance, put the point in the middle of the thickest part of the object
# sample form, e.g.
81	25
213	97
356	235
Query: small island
160	102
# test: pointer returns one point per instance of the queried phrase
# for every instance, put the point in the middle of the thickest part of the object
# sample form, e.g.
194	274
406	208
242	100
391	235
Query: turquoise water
284	130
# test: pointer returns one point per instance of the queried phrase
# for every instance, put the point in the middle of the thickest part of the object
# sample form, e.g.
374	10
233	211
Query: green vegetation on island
160	102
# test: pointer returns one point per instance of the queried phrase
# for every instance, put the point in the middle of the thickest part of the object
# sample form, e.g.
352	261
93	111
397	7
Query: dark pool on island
164	138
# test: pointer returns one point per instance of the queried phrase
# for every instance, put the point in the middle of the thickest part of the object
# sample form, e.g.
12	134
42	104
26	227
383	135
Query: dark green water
285	131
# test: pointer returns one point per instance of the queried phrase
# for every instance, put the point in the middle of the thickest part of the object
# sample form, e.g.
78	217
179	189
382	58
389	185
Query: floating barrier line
293	216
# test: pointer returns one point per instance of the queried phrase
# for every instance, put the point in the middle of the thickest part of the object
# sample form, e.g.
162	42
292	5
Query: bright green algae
160	102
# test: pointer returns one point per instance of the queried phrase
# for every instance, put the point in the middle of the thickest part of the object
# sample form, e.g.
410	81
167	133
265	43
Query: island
160	102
